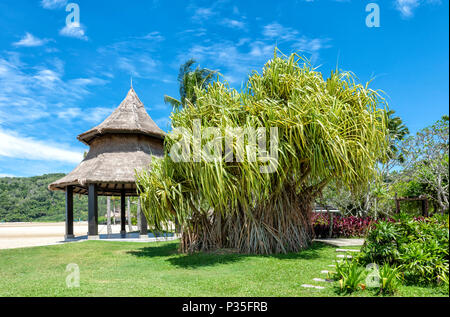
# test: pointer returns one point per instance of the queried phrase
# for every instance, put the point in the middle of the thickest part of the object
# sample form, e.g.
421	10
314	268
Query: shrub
381	244
389	279
343	226
350	276
102	220
443	282
417	246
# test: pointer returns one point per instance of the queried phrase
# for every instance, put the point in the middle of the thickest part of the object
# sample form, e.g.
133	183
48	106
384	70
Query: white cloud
93	115
195	32
153	36
69	113
231	60
280	33
124	63
236	59
276	30
15	146
53	4
136	56
215	9
29	40
261	49
98	114
201	14
163	123
234	24
47	78
31	92
407	7
75	30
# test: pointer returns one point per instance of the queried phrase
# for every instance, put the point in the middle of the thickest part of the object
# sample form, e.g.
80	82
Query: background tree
329	130
29	199
188	79
377	197
397	132
428	160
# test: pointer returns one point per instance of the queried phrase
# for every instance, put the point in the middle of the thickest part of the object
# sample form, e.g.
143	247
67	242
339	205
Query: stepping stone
324	272
312	286
342	242
344	256
347	250
316	279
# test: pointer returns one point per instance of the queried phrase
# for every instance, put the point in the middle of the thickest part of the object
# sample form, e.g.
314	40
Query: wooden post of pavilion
123	232
92	212
69	213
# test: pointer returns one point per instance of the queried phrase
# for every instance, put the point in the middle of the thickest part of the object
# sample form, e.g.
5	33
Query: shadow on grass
202	259
164	250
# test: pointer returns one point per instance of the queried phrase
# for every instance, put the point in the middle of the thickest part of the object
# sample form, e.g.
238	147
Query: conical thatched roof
129	117
121	145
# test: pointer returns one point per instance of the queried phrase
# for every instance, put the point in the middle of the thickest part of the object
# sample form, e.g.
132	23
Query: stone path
340	256
342	242
312	286
347	250
318	279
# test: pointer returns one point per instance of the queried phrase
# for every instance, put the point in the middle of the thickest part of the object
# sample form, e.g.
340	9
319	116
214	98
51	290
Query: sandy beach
29	234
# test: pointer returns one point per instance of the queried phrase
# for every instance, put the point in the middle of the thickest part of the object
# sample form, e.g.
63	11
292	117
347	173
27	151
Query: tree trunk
375	209
281	225
138	213
114	212
108	215
130	226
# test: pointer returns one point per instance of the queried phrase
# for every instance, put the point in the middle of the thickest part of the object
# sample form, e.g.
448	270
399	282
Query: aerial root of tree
279	227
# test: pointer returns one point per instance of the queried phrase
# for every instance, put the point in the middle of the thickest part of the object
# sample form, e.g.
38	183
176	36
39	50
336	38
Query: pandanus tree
320	130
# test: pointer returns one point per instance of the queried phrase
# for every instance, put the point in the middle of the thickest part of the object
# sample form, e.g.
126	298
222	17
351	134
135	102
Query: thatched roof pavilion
119	146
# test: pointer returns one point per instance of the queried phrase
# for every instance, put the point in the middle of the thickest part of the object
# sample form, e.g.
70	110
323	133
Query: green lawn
157	269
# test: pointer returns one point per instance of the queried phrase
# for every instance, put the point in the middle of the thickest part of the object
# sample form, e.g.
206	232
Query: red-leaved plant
343	226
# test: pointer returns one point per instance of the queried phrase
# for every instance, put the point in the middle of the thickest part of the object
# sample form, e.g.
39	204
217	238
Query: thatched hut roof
123	144
129	117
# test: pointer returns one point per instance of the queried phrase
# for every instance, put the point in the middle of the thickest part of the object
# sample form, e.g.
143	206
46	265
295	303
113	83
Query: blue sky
57	81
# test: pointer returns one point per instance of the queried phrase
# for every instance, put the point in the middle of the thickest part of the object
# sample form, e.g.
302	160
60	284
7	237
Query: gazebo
118	147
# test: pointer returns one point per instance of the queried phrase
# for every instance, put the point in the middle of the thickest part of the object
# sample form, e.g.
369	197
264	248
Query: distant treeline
28	199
